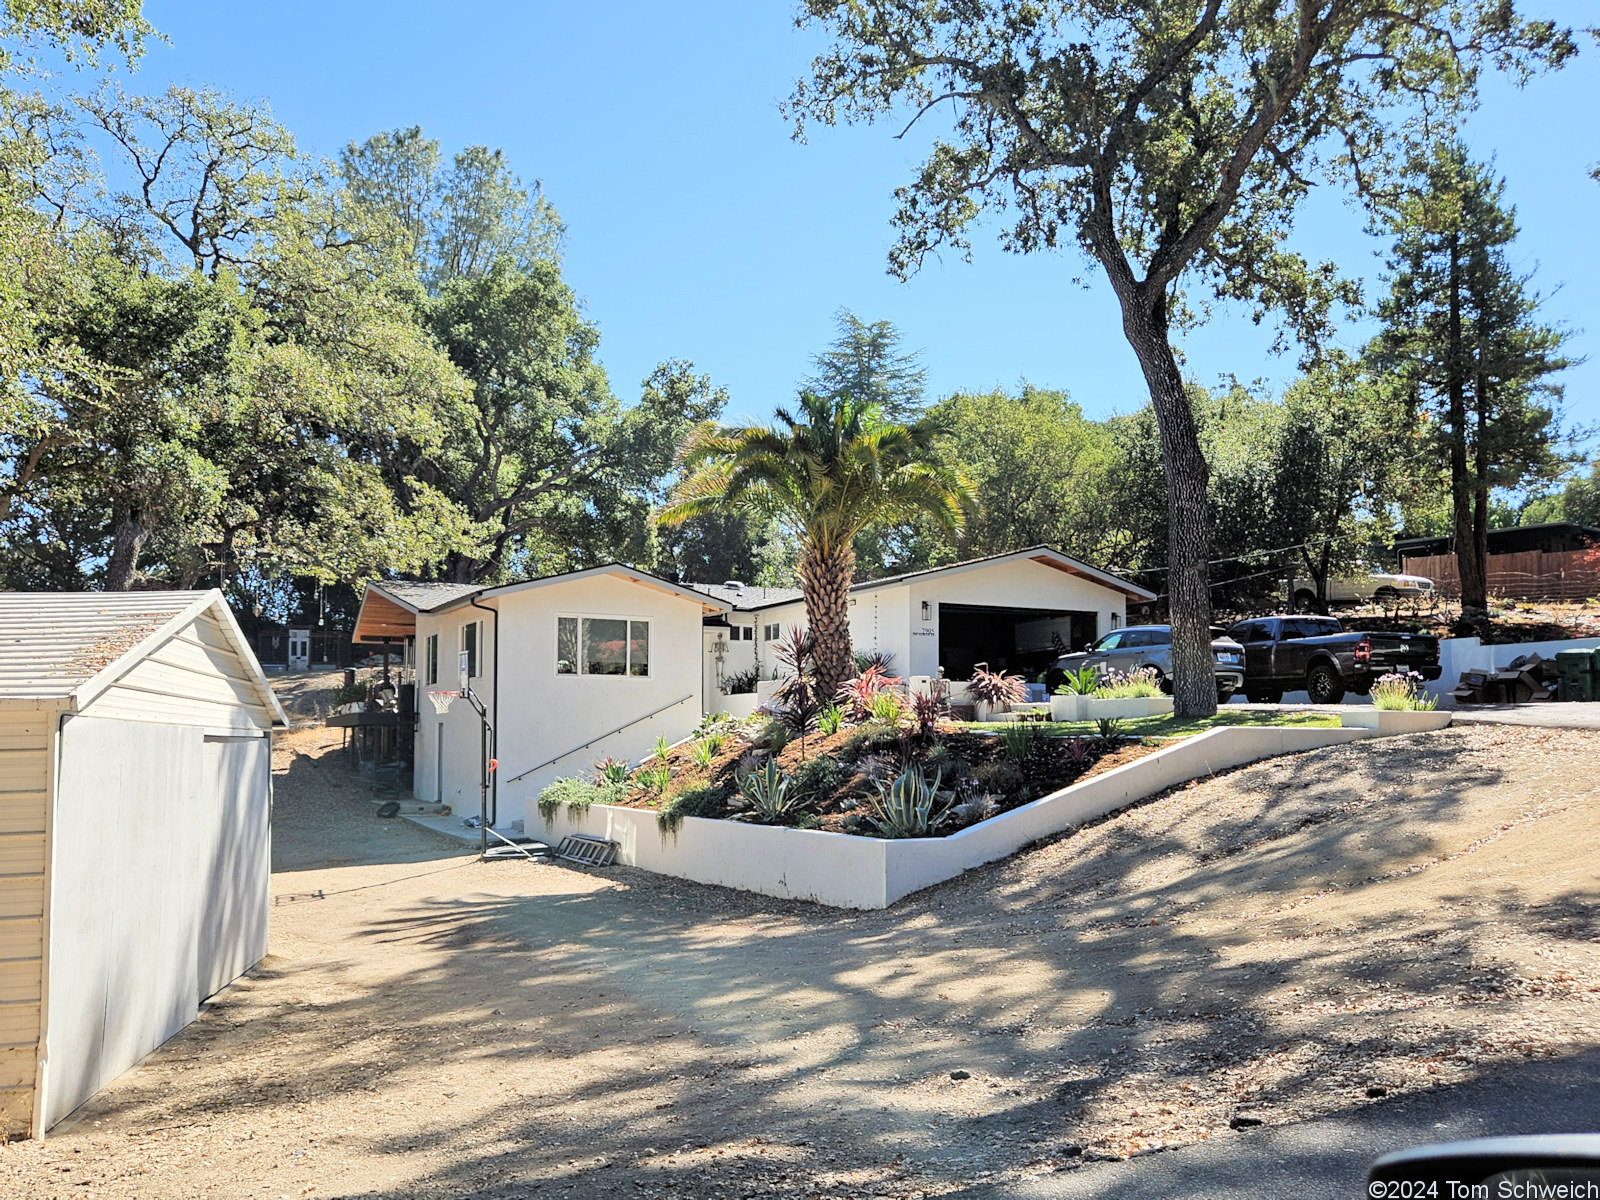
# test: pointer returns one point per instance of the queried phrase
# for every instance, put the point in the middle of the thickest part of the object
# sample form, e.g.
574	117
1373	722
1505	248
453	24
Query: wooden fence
1532	575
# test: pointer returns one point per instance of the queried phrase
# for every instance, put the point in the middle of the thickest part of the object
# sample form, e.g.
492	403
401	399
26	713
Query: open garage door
1022	640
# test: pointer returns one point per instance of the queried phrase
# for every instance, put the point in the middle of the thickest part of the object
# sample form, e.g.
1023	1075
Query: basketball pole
485	763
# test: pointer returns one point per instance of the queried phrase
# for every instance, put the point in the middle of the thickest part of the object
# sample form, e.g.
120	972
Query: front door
299	649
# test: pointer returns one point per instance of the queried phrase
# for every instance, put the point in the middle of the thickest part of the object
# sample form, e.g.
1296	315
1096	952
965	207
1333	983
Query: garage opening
1020	640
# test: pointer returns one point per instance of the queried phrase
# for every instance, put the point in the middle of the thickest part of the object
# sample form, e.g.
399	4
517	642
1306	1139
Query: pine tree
1461	330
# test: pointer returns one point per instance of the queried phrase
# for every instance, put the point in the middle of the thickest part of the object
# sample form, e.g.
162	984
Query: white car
1385	587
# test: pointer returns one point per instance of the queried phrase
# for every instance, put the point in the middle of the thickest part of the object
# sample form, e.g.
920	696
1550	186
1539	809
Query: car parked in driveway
1286	654
1149	647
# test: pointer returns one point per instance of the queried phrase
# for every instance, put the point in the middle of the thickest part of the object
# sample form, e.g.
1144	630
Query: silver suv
1141	647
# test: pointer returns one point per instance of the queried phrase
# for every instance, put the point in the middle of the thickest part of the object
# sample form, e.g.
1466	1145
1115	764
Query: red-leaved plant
856	694
996	688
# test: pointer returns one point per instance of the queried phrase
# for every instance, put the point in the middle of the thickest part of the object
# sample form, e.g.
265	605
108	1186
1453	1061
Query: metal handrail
601	738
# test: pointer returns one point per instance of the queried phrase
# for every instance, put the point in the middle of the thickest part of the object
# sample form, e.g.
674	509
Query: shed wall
24	804
158	891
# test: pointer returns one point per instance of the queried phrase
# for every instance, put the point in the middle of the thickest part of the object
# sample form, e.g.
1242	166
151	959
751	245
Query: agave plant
1110	729
704	750
663	748
768	795
612	770
908	807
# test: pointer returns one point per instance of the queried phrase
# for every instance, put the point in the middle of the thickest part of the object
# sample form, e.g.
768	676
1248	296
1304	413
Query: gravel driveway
1314	935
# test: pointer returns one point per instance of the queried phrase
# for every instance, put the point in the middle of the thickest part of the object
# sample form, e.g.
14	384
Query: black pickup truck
1286	654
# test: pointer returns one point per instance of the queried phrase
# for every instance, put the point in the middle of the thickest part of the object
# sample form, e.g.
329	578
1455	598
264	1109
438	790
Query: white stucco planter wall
847	871
738	706
1069	708
1130	709
1394	721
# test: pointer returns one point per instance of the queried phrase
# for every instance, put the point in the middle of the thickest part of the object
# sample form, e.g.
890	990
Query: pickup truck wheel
1323	685
1386	595
1305	602
1263	697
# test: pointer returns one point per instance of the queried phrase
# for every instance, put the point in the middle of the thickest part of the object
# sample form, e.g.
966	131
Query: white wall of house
889	619
543	715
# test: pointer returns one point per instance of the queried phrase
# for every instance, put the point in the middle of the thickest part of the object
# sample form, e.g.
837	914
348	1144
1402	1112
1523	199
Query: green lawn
1173	727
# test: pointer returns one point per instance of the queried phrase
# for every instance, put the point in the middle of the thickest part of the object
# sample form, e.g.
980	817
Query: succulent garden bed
844	780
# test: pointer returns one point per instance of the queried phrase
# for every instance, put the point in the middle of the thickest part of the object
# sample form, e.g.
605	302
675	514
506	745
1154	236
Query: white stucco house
1017	611
601	662
572	668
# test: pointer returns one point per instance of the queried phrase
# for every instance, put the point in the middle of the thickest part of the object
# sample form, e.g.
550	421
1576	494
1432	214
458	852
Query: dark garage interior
1020	640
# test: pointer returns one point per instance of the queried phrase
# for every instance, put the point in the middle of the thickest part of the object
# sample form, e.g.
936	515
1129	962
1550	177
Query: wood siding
1533	575
25	739
193	678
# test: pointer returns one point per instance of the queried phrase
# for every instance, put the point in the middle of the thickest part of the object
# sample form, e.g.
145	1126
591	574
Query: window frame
430	658
627	661
475	663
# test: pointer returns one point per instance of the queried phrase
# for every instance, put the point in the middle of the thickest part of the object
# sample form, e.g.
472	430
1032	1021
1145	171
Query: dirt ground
1290	939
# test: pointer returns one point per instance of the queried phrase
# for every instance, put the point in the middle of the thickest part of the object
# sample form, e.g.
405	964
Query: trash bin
1577	670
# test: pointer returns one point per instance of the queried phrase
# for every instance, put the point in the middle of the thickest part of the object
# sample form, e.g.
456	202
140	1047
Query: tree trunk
128	536
1469	567
1194	678
825	578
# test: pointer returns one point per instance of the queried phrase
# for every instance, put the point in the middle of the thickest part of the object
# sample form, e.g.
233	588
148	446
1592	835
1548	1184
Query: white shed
135	792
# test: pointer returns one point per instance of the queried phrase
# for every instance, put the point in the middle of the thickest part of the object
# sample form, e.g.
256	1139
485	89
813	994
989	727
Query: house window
770	633
430	652
747	633
602	646
1116	620
469	644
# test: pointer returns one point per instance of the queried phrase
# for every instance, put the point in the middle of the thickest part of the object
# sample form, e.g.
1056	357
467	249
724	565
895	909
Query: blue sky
700	230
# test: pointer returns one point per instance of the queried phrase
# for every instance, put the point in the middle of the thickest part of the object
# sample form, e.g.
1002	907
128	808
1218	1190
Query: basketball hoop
441	701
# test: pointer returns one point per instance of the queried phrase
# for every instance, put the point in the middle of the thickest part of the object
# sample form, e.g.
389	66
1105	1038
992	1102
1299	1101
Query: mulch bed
1050	764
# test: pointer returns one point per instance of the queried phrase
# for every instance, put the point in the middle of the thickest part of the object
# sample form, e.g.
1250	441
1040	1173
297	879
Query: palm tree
836	469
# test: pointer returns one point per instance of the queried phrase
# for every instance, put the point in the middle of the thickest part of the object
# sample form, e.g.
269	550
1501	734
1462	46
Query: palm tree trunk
825	576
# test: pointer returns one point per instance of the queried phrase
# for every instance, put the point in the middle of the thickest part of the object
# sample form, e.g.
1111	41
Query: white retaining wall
848	871
1469	654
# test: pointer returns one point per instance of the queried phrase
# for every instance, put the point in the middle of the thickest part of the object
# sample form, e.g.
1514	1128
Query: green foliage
663	750
704	749
1135	685
817	779
700	800
1018	737
830	720
868	740
654	778
576	794
885	708
1110	729
908	807
1402	692
1003	777
1082	682
773	736
349	693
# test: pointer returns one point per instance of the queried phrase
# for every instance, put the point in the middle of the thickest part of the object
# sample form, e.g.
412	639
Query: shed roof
69	645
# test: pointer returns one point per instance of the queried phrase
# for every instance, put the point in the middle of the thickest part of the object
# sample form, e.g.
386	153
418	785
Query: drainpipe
494	721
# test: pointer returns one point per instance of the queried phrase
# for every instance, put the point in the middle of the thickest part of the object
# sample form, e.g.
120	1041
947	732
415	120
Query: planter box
1070	707
982	712
1392	721
849	871
738	706
1125	710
